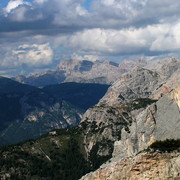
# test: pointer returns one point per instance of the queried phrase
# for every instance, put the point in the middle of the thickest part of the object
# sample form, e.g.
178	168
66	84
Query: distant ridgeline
81	71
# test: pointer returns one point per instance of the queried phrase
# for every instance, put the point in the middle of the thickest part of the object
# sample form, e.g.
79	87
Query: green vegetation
97	160
51	157
139	103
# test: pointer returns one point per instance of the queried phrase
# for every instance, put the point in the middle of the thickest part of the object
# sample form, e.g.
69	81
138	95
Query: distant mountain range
82	71
28	112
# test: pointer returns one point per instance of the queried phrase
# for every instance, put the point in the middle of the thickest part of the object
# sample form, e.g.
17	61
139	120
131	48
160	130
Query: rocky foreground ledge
144	166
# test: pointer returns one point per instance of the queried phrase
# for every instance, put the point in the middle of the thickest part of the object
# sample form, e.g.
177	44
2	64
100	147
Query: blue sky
3	3
88	3
36	35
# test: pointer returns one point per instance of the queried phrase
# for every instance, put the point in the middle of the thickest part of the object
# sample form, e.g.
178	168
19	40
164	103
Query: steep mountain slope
82	71
102	125
138	83
142	82
159	121
125	122
28	112
144	166
125	100
57	155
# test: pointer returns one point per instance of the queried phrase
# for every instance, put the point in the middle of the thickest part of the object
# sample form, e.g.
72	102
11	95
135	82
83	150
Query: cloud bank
44	30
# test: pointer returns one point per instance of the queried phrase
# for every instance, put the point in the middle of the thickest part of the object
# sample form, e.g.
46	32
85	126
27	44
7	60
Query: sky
35	35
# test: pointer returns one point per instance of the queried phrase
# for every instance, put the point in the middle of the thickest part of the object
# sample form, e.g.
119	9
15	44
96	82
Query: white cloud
35	55
169	40
156	38
13	4
109	28
40	1
108	41
85	57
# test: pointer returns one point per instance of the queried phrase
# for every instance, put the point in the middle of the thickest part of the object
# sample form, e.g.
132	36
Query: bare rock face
90	72
160	121
169	71
165	68
156	121
83	71
123	114
101	128
128	65
141	167
138	83
141	82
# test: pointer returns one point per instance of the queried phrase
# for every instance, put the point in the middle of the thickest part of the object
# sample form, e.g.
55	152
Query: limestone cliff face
138	83
119	111
102	126
159	121
156	166
141	82
83	71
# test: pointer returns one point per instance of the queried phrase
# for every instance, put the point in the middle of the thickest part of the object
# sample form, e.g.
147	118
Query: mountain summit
82	71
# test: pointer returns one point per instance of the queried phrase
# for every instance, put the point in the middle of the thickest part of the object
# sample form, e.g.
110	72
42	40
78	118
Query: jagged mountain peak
165	67
142	82
83	71
75	65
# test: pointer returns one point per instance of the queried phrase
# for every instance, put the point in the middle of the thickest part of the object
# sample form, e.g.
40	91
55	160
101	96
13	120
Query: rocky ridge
159	121
127	98
144	166
114	127
83	71
148	120
142	82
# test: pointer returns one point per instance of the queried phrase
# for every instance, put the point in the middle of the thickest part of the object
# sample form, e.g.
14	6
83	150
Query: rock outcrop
83	71
101	126
144	166
138	83
159	121
150	122
141	82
